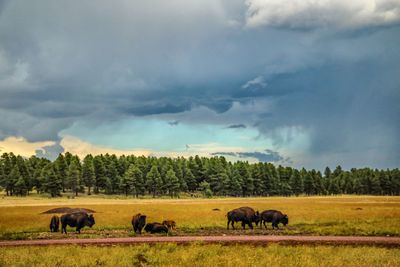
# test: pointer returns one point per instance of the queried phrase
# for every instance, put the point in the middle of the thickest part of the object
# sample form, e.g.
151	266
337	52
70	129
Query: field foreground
246	239
199	255
22	218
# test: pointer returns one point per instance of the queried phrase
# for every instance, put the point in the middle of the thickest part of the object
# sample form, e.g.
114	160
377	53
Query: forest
196	176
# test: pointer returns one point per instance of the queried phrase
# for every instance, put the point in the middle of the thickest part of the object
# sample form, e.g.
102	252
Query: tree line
138	176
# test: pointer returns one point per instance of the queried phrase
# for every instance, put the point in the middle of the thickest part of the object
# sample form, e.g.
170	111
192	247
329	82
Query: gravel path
260	240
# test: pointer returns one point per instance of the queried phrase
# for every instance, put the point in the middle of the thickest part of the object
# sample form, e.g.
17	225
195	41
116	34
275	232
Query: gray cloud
266	156
198	62
309	14
50	152
173	123
236	126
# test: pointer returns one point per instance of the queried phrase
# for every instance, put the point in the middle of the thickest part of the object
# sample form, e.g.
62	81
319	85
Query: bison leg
78	229
243	225
265	224
227	225
64	229
251	225
233	225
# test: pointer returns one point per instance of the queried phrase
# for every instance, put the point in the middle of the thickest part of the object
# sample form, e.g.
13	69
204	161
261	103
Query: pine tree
52	183
19	187
132	181
100	174
190	179
172	183
88	174
74	177
296	183
154	182
309	186
205	189
235	185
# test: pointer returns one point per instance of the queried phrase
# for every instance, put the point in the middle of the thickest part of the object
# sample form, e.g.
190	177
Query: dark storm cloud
338	82
265	156
236	126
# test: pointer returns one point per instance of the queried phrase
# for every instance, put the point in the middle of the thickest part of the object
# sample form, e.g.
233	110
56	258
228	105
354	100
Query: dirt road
259	240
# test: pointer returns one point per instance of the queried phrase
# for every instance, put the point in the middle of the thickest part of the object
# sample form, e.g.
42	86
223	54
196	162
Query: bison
246	215
274	216
156	228
78	220
54	224
138	222
170	224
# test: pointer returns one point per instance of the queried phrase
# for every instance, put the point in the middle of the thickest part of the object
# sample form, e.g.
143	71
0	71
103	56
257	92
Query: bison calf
156	228
138	222
170	224
78	220
54	224
275	217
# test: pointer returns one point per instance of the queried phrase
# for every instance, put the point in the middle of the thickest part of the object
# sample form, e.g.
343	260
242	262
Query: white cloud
21	146
256	81
81	148
342	14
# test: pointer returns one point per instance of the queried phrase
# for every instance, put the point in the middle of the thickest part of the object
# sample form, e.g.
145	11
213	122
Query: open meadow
200	255
21	218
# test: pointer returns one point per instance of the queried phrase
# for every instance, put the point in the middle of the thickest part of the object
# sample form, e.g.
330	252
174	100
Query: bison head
256	218
285	220
90	221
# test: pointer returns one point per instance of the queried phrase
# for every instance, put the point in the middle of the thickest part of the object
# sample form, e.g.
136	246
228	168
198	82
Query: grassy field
21	218
200	255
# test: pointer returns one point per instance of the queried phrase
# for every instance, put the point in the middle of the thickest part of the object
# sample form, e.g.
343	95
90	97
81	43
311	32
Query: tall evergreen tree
296	183
74	177
88	174
52	183
172	183
154	182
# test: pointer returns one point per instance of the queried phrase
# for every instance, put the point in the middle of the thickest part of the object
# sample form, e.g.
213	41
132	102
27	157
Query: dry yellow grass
200	255
343	215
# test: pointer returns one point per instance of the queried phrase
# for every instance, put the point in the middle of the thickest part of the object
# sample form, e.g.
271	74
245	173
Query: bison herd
245	215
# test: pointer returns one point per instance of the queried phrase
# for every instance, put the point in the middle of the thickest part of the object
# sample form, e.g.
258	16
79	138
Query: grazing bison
274	216
156	228
78	220
246	215
54	224
170	224
138	222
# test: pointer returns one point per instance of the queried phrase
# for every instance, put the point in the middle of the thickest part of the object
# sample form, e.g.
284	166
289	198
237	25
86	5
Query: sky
302	83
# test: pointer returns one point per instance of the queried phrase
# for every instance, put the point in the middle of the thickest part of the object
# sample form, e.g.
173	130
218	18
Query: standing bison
138	222
54	224
274	216
156	228
78	220
246	215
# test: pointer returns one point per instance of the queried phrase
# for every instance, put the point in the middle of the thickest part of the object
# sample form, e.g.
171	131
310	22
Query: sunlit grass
344	215
200	255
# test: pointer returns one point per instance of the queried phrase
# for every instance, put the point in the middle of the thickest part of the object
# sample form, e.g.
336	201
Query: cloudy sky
309	83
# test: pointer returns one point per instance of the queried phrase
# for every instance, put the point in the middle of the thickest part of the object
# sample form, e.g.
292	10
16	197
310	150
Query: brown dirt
67	210
244	239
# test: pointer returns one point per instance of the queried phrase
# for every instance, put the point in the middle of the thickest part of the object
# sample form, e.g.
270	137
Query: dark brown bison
156	228
54	224
274	216
138	222
246	215
78	220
